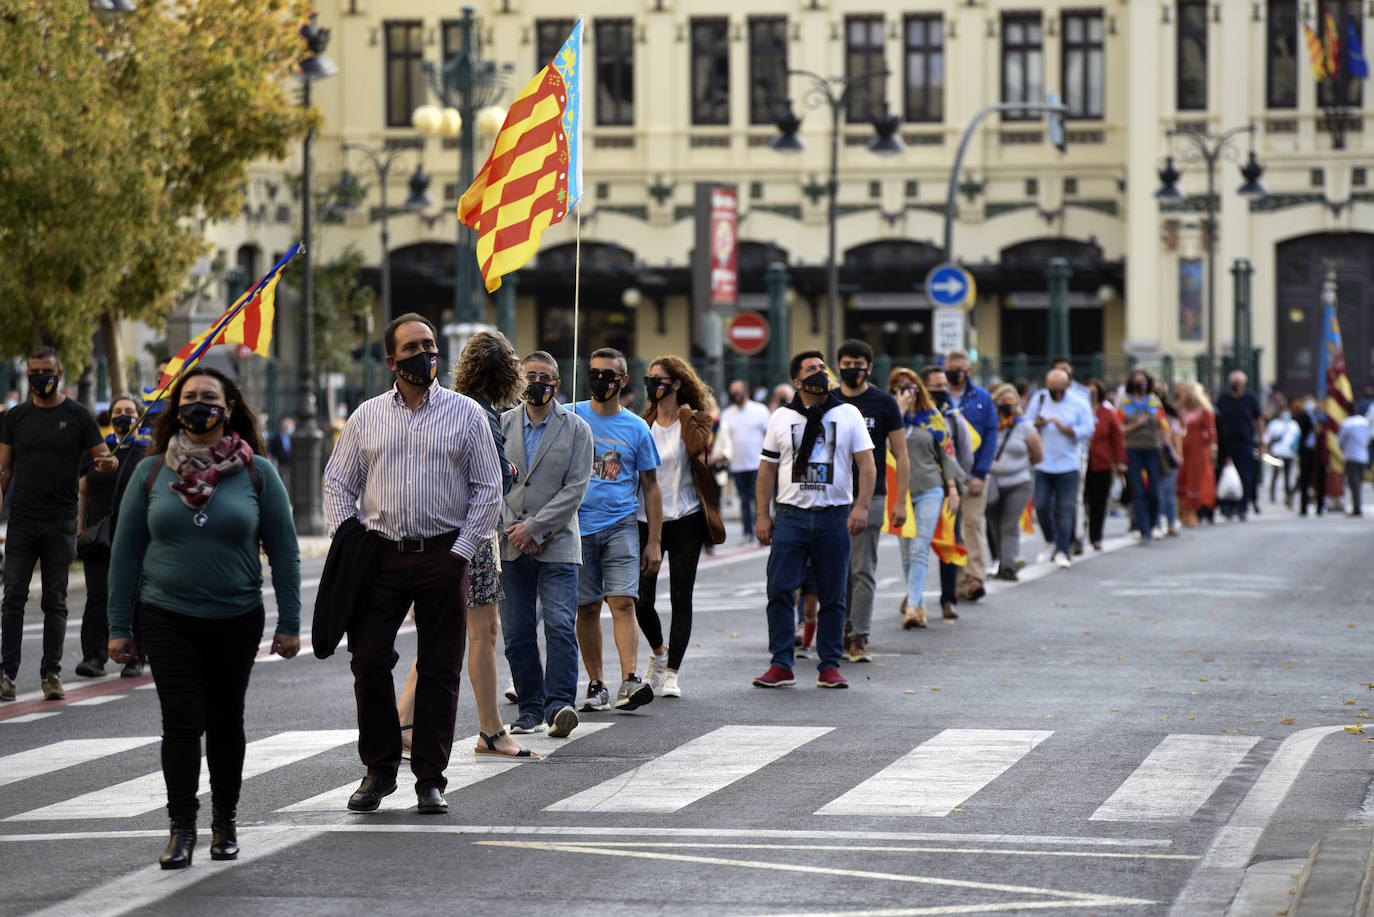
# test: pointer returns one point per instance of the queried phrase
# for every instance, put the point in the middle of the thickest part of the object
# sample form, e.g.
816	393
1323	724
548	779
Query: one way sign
949	286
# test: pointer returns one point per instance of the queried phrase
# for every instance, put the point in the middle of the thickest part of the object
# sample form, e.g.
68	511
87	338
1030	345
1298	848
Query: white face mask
9	403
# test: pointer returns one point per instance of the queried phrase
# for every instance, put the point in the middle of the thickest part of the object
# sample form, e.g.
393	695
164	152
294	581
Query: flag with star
534	174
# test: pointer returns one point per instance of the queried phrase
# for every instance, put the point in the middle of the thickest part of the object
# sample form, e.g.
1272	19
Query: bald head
1238	380
1057	378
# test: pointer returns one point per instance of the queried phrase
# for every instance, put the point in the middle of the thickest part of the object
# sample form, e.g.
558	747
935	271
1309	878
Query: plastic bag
1229	486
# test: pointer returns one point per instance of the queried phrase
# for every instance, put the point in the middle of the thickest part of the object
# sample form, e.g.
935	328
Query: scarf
143	437
813	416
201	467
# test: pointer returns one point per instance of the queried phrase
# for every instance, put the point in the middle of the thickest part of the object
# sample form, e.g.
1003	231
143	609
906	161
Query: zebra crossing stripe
938	774
149	792
1176	779
464	769
61	755
692	771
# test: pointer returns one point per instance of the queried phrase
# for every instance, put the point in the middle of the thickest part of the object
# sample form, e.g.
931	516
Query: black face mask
854	376
1057	394
1236	387
737	398
604	387
43	384
199	417
1140	388
122	424
818	383
539	392
939	397
1006	410
421	369
955	376
657	391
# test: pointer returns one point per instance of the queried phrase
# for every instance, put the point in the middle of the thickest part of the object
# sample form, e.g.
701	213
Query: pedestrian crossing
932	780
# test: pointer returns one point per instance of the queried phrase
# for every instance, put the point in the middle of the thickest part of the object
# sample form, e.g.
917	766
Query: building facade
686	91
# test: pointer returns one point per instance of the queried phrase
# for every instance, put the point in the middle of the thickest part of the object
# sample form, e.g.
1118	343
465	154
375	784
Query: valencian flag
1333	45
248	321
943	540
534	174
1315	53
1339	396
1355	63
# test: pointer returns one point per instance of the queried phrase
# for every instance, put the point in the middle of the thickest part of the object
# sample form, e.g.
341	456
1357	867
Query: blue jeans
745	482
820	537
1168	497
1146	478
1056	494
543	690
926	505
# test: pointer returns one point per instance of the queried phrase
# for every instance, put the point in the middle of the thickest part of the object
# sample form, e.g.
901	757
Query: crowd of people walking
487	507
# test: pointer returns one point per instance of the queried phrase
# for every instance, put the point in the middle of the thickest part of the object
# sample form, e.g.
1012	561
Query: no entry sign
748	333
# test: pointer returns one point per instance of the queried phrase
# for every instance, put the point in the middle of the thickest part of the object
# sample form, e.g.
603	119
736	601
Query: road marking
149	792
28	718
692	771
464	769
96	701
1213	884
938	774
61	755
1179	776
852	848
29	703
1065	898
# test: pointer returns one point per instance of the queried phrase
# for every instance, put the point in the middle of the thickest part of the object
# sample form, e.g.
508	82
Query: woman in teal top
186	552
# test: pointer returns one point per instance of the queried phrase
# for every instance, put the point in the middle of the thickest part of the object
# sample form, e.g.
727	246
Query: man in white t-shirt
811	451
746	422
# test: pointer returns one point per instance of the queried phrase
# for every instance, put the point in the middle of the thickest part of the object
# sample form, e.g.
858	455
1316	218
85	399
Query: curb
1338	878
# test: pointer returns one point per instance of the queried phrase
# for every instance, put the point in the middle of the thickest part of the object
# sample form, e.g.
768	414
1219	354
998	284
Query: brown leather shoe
948	612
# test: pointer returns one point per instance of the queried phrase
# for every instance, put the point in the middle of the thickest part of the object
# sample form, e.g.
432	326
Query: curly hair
242	420
905	377
489	368
693	392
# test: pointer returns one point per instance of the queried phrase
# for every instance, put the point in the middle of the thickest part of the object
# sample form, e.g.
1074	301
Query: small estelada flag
534	174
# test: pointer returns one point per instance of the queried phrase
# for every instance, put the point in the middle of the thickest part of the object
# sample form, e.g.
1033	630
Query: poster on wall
1190	299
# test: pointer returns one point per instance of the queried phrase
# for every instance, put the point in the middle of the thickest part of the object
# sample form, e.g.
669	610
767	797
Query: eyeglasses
653	381
540	377
603	374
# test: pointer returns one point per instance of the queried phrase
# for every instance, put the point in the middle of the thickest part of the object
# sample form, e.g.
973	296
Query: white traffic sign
950	286
947	332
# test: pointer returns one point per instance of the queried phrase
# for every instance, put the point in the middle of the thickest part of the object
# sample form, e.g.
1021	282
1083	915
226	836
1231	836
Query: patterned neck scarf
201	468
813	415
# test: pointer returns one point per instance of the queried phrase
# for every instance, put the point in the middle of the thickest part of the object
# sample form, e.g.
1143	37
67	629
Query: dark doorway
1302	265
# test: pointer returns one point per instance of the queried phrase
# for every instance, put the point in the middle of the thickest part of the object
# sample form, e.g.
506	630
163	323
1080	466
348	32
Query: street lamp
468	88
381	160
836	92
308	442
1209	148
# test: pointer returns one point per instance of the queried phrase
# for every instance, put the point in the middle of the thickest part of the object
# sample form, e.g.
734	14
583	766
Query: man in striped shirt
418	467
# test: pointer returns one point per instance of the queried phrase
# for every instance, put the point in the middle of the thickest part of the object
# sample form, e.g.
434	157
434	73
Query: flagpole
577	296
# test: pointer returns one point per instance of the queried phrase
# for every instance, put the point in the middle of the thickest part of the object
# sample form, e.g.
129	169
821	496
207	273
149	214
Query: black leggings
201	668
1097	490
682	540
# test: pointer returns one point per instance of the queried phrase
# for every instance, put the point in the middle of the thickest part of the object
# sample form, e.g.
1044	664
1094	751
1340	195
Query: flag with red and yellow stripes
534	174
248	321
1316	54
1333	45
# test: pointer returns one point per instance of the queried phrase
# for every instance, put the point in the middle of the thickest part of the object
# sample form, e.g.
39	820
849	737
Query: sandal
491	748
913	616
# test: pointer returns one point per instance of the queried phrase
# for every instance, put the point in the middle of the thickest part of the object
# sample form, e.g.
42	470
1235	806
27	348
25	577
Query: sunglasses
539	377
610	374
653	381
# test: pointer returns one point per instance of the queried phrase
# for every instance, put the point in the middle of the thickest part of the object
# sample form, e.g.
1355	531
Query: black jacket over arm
350	566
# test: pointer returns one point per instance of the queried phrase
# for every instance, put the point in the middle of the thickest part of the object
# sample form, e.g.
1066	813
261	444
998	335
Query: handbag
94	538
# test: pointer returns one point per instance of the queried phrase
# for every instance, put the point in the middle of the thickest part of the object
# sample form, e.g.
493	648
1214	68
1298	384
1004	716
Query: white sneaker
658	665
1061	560
1042	556
511	696
1158	533
670	686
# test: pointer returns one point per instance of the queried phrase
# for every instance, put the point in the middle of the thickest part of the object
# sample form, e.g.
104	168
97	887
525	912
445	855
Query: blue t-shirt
622	447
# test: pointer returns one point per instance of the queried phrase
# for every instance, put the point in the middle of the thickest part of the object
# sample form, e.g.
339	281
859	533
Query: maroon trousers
436	581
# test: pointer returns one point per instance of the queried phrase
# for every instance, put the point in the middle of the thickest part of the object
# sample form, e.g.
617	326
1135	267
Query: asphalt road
1160	730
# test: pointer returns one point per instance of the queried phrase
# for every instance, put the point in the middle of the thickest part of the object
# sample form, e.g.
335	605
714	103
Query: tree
343	304
156	130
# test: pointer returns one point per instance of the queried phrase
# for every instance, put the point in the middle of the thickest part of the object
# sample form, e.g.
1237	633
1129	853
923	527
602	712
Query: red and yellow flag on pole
1316	54
1333	45
534	174
945	545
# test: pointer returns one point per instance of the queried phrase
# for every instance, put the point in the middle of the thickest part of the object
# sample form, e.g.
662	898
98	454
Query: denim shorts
610	562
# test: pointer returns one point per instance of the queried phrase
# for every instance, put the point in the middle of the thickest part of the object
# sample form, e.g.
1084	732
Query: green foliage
120	142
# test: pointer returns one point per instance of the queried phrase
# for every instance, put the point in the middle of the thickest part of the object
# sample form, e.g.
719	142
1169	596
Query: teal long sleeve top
161	557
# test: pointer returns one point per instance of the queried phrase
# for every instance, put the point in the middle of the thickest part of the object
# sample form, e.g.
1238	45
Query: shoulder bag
990	484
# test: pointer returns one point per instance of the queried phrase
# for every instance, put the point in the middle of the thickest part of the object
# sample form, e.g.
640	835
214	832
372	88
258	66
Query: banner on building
716	267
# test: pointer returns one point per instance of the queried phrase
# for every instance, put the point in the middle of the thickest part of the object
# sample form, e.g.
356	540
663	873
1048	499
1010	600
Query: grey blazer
549	492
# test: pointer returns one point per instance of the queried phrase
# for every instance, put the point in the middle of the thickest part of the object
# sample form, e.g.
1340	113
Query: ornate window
1192	55
925	67
767	68
863	54
405	74
1023	63
1083	74
711	71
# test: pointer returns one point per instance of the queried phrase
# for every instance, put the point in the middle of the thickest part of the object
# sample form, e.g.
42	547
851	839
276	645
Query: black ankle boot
224	838
180	847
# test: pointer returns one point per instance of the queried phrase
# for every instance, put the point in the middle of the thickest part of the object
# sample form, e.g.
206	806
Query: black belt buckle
411	545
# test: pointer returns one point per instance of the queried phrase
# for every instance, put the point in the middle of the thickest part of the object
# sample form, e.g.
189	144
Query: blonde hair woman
1197	481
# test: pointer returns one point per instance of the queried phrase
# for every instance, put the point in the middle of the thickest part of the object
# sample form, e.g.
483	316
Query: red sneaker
775	677
830	678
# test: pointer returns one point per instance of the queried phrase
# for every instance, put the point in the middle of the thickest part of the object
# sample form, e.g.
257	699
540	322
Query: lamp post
836	92
468	87
1210	148
307	444
418	200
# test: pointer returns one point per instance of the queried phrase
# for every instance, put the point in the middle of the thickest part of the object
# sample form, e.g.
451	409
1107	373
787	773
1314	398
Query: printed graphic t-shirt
828	479
622	447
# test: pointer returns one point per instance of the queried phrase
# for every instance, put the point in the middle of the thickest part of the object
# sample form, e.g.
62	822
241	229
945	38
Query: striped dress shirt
418	473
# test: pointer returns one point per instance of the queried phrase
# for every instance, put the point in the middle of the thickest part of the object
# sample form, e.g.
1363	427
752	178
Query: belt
418	545
813	509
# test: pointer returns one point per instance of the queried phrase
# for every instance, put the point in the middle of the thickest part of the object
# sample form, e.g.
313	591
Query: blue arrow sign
948	285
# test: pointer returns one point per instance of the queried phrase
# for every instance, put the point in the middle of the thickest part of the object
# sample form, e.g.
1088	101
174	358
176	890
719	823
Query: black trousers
52	543
1308	486
682	542
201	668
1097	490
